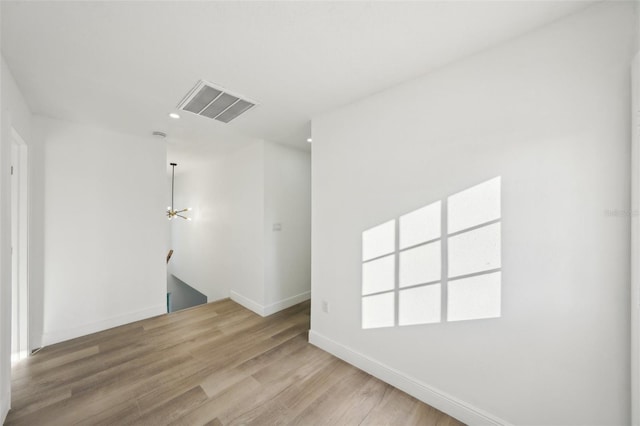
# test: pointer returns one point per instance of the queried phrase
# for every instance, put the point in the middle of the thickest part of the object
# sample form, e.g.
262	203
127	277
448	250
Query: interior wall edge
265	311
250	304
286	303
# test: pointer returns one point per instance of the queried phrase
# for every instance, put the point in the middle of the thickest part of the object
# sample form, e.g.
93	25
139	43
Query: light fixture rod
171	212
173	172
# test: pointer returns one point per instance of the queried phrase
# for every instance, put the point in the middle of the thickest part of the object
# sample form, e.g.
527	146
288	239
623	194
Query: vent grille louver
223	102
209	101
234	111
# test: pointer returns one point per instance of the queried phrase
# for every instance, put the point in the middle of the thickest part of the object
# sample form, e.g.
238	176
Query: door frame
20	247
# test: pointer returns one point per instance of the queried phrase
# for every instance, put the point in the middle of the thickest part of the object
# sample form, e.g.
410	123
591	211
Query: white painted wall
105	241
15	114
287	203
635	245
635	231
637	5
220	249
549	112
229	247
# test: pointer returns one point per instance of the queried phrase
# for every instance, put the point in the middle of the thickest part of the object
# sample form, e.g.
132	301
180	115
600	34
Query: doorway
19	249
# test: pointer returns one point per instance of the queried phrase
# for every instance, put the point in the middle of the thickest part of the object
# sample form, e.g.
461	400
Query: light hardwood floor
215	364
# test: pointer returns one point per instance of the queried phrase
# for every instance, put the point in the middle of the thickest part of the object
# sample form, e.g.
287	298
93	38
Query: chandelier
171	212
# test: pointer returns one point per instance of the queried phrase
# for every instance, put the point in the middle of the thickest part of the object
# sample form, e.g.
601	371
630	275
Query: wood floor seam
215	364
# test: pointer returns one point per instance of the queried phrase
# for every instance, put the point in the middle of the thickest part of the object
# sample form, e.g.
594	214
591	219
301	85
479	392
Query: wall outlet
277	226
325	306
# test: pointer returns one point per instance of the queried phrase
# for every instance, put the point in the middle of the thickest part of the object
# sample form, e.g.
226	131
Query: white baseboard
247	303
429	395
5	405
264	311
52	337
35	342
285	303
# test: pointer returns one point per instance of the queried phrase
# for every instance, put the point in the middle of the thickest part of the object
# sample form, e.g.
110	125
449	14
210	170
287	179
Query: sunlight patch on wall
378	275
406	279
420	226
474	298
420	305
475	251
474	206
420	265
378	311
379	241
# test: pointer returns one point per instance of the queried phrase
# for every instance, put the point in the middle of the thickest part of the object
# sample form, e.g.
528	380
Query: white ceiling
125	65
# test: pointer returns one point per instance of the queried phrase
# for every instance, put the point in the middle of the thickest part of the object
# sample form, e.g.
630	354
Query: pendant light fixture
171	213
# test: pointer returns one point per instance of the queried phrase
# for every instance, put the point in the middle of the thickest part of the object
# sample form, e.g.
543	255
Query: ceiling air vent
213	102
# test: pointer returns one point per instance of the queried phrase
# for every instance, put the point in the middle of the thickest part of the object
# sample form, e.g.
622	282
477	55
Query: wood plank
214	364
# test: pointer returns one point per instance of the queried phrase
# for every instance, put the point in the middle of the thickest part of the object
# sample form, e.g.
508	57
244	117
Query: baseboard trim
247	303
265	311
442	401
35	343
5	405
285	303
58	336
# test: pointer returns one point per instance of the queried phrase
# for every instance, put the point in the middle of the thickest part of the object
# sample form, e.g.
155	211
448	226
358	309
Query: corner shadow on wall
439	263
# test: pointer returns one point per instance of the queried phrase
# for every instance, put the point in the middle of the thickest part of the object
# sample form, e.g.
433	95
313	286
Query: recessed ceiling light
174	115
309	140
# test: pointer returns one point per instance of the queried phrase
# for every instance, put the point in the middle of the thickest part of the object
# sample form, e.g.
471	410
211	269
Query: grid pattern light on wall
413	274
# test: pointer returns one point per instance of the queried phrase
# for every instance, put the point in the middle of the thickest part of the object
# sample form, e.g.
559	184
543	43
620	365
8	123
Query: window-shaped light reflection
420	225
419	305
475	251
474	206
474	298
378	275
420	265
378	311
379	240
406	271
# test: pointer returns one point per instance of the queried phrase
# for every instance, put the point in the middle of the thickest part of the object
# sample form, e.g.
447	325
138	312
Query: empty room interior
320	212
